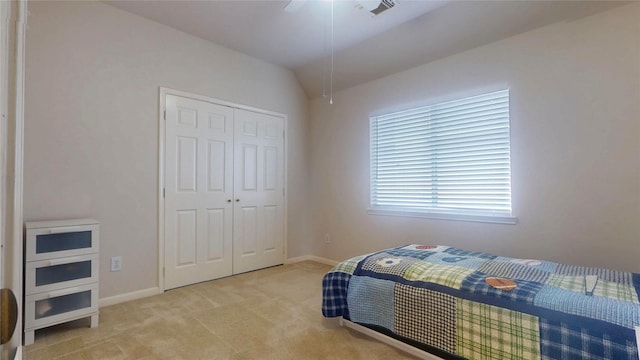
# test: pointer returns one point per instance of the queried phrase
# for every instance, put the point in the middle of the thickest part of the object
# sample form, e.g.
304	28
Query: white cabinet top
59	223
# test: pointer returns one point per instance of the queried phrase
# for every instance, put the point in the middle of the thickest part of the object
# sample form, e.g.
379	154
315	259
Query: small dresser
60	273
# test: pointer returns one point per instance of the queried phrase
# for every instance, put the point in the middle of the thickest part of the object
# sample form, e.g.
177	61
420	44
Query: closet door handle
228	200
237	200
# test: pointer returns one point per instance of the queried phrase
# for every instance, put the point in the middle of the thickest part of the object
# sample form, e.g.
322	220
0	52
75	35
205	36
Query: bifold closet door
224	191
258	222
198	191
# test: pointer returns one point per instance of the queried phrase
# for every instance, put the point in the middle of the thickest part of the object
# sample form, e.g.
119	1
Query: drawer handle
66	260
66	291
65	229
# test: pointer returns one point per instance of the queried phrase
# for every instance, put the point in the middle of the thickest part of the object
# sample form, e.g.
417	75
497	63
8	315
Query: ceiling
365	47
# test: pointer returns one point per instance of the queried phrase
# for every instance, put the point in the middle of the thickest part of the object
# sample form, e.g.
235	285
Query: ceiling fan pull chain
332	51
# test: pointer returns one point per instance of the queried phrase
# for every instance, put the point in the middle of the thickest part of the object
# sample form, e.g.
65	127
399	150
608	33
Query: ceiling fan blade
294	5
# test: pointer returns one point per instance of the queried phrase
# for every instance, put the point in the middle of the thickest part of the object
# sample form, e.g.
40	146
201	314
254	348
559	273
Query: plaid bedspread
440	296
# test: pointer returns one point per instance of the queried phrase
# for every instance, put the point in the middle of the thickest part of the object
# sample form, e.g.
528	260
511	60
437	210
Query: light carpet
273	313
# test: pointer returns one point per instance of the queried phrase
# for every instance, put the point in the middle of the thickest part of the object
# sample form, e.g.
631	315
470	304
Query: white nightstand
61	273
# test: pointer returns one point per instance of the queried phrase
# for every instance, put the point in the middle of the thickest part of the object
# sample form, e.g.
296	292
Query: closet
223	190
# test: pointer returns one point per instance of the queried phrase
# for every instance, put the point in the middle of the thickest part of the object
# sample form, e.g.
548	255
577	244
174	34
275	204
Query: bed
462	304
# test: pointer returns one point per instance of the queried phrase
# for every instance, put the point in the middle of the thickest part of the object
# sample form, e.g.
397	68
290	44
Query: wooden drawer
61	241
60	305
48	275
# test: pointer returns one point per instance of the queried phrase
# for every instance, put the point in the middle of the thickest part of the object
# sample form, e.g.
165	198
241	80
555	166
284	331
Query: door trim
163	92
13	23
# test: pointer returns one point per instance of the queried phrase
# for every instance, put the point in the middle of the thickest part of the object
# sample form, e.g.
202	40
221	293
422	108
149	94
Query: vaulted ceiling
365	47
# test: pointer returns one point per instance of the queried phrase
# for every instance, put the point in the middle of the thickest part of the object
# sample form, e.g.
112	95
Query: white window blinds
447	158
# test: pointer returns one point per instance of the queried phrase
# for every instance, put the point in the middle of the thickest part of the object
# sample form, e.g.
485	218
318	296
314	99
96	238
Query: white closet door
258	225
198	191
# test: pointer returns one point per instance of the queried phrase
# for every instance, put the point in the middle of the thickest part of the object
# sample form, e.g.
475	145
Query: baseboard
319	259
18	355
134	295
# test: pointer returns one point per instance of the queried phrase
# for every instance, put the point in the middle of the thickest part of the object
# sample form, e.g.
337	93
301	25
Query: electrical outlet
116	263
327	238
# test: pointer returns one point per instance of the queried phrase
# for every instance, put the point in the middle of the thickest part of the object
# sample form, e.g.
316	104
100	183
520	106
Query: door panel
270	168
249	167
186	237
215	234
247	235
216	158
217	123
187	156
198	190
187	117
259	214
250	127
271	228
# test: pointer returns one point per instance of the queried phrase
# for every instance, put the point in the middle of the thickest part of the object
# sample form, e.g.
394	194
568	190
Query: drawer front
58	306
47	275
51	243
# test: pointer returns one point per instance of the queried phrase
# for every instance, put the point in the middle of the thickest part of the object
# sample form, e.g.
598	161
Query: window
449	160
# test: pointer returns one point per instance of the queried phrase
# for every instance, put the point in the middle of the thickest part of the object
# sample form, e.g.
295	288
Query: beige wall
91	131
575	117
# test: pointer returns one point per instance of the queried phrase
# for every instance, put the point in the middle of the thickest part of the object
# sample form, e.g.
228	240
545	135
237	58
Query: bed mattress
482	306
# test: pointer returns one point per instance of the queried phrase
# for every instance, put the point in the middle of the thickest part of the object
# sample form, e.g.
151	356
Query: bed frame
390	341
413	350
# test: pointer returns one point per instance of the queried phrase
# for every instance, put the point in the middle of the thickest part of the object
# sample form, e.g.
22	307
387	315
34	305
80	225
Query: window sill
508	220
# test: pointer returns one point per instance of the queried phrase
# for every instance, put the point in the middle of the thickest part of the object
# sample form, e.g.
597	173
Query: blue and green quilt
443	297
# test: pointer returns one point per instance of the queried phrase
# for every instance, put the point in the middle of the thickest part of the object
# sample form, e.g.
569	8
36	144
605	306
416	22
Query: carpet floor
273	313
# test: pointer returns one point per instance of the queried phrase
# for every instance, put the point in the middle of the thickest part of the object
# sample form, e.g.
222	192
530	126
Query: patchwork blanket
481	306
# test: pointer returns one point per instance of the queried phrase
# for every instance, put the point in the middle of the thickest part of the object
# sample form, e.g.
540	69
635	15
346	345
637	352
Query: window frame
443	213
